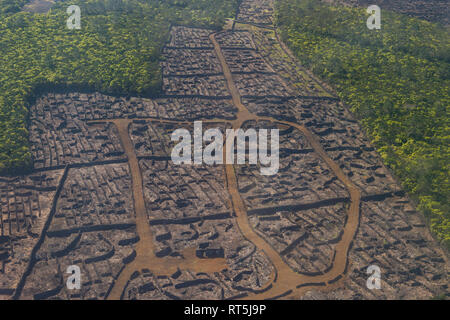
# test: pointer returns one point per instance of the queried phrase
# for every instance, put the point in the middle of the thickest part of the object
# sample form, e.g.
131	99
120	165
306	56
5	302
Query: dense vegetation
116	51
396	80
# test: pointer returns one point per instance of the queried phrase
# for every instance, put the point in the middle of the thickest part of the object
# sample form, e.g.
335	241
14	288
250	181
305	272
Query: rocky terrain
104	194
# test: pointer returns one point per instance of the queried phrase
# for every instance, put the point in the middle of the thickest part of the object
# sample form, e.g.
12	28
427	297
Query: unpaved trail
285	280
243	114
145	249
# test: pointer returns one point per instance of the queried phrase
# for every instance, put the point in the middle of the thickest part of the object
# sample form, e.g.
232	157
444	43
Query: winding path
145	249
284	281
284	277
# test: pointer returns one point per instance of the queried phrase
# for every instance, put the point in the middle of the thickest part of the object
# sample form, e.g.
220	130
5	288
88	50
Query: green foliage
441	296
116	51
11	6
396	80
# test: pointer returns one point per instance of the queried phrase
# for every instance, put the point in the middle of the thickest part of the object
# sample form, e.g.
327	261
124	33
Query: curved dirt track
284	281
285	278
145	250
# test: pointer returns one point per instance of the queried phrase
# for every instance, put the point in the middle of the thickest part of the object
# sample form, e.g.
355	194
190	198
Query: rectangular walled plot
194	109
303	177
89	107
26	199
261	85
154	139
100	255
25	206
183	37
245	61
348	147
58	138
183	191
393	236
315	113
321	111
189	62
247	269
364	167
95	106
98	197
342	138
275	107
291	140
237	40
206	86
306	239
93	227
259	11
331	122
188	208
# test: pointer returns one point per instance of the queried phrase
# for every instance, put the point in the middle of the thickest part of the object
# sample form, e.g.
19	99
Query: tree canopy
117	51
396	80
